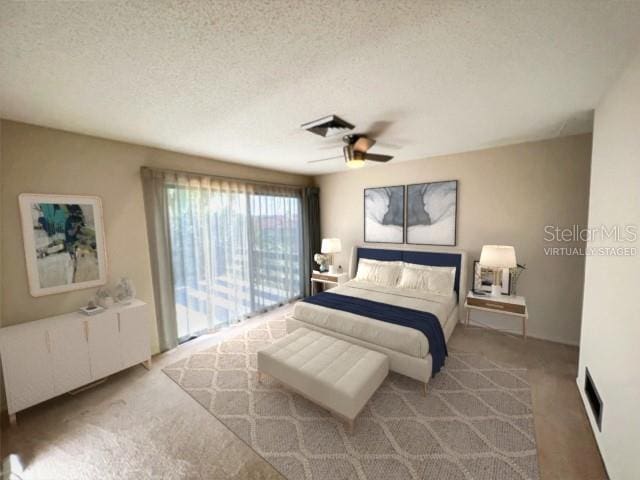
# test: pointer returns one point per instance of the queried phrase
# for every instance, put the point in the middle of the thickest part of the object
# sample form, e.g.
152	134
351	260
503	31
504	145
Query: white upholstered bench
335	374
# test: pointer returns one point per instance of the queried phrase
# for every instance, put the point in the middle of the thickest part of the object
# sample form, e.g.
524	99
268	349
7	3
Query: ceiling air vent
327	126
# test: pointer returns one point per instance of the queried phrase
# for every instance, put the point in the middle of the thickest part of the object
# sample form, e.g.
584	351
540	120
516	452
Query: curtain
235	249
311	232
154	191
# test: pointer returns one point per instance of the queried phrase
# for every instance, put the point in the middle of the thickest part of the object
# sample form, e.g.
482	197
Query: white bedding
395	337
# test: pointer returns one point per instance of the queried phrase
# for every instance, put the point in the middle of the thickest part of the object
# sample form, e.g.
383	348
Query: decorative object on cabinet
322	260
384	214
498	258
329	247
125	291
104	298
91	308
63	241
46	358
483	279
514	276
431	213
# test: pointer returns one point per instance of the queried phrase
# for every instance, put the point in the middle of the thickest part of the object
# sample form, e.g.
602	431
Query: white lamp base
333	270
496	290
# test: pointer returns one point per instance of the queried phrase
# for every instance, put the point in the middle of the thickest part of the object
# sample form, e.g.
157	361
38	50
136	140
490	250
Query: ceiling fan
355	151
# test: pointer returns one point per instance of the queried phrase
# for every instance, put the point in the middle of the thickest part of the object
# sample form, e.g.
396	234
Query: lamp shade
498	256
331	245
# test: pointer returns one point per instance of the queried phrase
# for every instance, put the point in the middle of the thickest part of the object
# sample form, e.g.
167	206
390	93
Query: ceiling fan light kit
355	163
352	157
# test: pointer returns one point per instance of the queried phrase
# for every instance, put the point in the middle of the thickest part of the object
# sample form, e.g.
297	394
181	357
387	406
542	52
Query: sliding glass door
236	250
275	259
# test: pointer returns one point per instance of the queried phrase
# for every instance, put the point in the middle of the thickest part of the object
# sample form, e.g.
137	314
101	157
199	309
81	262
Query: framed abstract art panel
384	214
431	213
64	242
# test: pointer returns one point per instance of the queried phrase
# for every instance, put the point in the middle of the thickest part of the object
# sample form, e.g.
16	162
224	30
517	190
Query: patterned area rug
476	421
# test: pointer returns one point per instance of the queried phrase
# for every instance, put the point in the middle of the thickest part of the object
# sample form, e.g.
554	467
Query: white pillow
438	280
387	273
414	278
441	282
382	273
365	269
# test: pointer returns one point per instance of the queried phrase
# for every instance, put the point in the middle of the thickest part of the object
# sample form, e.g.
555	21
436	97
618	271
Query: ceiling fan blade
391	146
330	146
377	158
378	128
363	144
326	159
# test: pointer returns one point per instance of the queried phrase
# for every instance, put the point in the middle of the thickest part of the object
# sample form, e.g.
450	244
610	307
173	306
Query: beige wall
1	224
506	195
610	321
41	160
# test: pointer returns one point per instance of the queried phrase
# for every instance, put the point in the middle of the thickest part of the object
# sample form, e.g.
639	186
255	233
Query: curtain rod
222	177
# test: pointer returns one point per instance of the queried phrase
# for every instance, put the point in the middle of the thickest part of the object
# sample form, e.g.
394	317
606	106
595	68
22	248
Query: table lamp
497	257
331	246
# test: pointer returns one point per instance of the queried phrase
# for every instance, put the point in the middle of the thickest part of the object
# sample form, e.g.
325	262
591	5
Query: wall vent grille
328	126
594	398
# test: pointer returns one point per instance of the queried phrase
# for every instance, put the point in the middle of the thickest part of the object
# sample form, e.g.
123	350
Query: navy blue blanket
425	322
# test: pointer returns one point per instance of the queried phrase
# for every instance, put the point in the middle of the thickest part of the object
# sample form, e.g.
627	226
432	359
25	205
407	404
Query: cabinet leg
424	389
468	315
524	327
147	363
350	427
13	420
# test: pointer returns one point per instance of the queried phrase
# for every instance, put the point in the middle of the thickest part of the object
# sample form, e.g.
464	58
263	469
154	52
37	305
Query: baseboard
518	333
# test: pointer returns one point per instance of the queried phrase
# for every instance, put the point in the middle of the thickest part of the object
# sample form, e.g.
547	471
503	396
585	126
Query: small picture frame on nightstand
483	279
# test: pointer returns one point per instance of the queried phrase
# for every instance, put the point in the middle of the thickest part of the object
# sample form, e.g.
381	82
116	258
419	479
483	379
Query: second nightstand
326	280
508	305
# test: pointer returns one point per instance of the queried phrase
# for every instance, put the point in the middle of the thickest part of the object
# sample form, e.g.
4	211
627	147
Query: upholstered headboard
436	259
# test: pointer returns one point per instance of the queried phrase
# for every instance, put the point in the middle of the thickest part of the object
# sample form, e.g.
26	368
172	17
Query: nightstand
514	305
326	280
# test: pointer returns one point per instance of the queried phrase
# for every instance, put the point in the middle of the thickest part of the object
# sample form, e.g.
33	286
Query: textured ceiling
234	80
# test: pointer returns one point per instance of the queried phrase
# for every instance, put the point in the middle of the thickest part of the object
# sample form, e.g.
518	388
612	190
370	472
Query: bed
408	349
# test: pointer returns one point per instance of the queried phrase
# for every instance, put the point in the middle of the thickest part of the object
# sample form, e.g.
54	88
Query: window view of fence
234	252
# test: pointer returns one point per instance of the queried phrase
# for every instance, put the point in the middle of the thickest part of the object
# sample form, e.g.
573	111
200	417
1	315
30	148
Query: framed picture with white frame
483	279
63	241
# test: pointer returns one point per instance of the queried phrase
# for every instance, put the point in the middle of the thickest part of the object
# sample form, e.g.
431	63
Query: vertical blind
236	249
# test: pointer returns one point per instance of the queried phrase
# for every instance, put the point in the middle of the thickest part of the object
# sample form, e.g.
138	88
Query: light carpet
476	421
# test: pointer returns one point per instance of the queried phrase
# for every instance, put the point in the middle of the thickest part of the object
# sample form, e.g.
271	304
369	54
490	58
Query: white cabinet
134	335
26	366
48	357
69	354
104	344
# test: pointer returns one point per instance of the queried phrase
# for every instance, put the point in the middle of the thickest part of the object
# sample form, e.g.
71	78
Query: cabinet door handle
495	305
47	340
86	331
118	323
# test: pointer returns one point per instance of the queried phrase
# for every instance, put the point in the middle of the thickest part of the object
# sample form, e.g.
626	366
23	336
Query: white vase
125	291
105	302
